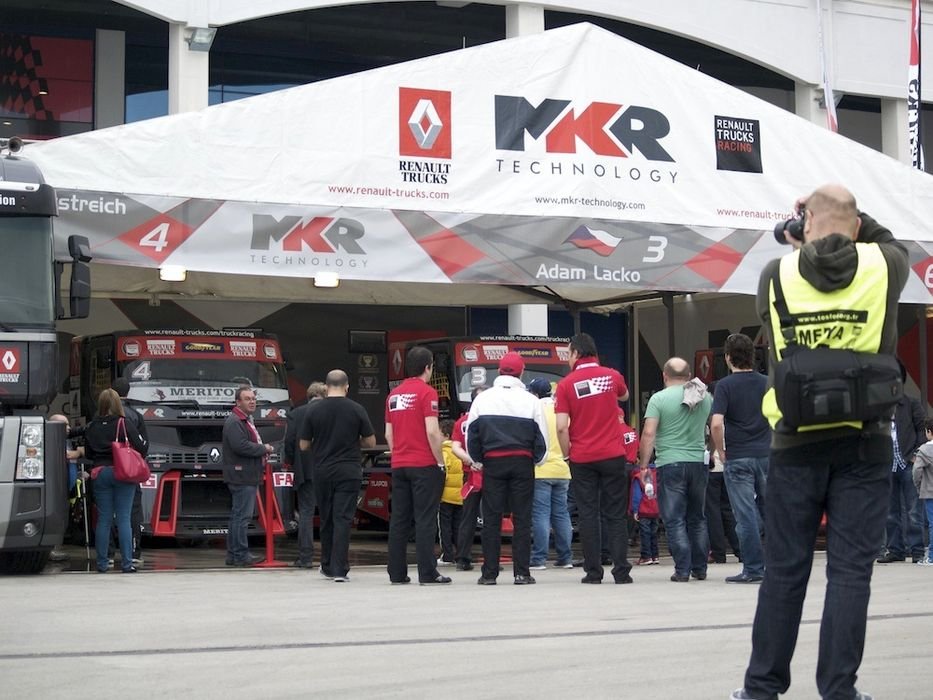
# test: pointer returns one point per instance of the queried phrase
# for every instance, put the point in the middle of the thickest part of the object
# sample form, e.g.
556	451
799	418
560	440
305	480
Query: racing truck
33	470
183	383
460	364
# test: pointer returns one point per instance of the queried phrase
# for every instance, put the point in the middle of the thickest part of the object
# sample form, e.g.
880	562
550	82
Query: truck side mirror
80	291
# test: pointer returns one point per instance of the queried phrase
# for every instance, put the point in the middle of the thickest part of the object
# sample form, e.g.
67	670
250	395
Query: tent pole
924	356
668	299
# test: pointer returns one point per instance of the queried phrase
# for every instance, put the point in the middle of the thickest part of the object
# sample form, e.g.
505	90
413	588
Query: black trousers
448	518
719	519
507	481
306	501
337	503
467	531
416	494
601	488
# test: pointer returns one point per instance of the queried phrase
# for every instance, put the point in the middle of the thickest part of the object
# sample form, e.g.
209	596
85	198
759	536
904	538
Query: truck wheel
27	562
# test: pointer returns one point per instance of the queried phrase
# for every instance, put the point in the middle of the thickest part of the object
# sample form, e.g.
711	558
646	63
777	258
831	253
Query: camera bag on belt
822	385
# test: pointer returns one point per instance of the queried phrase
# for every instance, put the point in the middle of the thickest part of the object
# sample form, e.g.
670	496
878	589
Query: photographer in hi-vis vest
836	291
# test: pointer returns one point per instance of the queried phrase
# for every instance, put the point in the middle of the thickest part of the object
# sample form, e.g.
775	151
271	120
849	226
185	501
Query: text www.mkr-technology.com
403	192
592	202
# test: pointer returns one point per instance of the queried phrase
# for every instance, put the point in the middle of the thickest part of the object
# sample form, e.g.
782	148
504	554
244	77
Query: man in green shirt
675	428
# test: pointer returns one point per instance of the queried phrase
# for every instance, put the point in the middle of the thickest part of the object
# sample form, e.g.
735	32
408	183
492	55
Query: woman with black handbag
113	497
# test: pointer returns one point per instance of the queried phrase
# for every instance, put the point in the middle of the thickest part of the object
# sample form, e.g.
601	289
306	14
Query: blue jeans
903	510
113	498
648	535
745	481
928	506
241	512
682	498
848	479
550	511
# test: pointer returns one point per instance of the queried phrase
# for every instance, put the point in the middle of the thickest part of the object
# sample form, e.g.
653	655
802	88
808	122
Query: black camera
793	226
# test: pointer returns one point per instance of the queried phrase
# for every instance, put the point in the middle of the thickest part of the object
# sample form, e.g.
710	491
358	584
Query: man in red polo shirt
590	436
418	473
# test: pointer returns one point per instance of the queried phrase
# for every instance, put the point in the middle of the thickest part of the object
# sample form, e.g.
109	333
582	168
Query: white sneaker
444	562
926	561
342	579
538	567
321	572
565	565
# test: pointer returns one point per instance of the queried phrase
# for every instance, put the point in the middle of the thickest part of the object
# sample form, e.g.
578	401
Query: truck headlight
30	461
31	435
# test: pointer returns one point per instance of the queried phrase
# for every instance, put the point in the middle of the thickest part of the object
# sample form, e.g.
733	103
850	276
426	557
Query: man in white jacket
506	436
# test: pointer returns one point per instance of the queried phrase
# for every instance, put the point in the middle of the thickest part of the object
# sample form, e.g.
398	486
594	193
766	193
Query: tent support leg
668	299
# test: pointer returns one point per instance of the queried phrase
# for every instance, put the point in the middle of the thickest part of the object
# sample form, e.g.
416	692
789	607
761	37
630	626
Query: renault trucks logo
424	129
160	347
243	348
9	365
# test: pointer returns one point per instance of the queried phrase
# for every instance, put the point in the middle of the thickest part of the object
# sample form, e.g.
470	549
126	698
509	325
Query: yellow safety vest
851	318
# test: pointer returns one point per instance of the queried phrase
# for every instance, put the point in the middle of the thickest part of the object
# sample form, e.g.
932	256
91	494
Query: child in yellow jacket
451	500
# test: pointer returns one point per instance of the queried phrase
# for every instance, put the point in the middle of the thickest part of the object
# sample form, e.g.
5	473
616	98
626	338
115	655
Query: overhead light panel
200	38
326	279
172	273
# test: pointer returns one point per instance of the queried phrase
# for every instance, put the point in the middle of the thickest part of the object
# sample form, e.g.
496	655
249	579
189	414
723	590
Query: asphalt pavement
289	633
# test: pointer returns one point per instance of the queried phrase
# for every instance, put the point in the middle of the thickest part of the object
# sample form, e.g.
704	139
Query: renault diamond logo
425	124
214	454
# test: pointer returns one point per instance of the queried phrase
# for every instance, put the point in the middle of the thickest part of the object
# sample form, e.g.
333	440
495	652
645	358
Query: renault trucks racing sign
510	163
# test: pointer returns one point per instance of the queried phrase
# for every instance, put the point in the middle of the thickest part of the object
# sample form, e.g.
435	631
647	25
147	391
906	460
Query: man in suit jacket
243	457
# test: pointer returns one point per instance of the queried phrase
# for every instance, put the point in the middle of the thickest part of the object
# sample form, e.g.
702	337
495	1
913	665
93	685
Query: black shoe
590	579
251	561
698	575
130	570
889	558
298	564
625	579
524	580
606	561
677	578
464	566
483	581
401	582
436	581
744	578
917	558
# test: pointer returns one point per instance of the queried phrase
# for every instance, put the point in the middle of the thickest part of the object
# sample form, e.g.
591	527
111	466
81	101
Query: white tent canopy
572	162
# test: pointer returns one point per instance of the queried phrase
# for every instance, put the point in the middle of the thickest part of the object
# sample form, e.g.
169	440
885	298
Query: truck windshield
476	375
27	296
264	375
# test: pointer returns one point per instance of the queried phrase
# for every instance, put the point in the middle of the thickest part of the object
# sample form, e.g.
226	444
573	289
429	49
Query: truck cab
33	471
183	383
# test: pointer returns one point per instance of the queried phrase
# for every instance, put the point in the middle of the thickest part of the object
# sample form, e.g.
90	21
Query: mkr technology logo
424	128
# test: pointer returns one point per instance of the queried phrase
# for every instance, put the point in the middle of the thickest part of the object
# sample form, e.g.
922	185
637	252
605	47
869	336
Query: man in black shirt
334	432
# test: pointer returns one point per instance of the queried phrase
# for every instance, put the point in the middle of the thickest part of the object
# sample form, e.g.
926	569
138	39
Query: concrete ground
287	633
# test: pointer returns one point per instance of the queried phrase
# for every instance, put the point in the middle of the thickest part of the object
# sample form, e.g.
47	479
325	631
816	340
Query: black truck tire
26	562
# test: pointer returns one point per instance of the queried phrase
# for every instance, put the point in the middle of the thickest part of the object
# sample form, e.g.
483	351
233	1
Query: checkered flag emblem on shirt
19	78
401	402
592	386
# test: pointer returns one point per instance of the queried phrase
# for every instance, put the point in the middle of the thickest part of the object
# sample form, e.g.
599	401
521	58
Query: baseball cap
512	364
540	387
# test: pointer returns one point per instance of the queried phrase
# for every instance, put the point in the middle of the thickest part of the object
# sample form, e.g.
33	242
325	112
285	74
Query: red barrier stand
271	521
